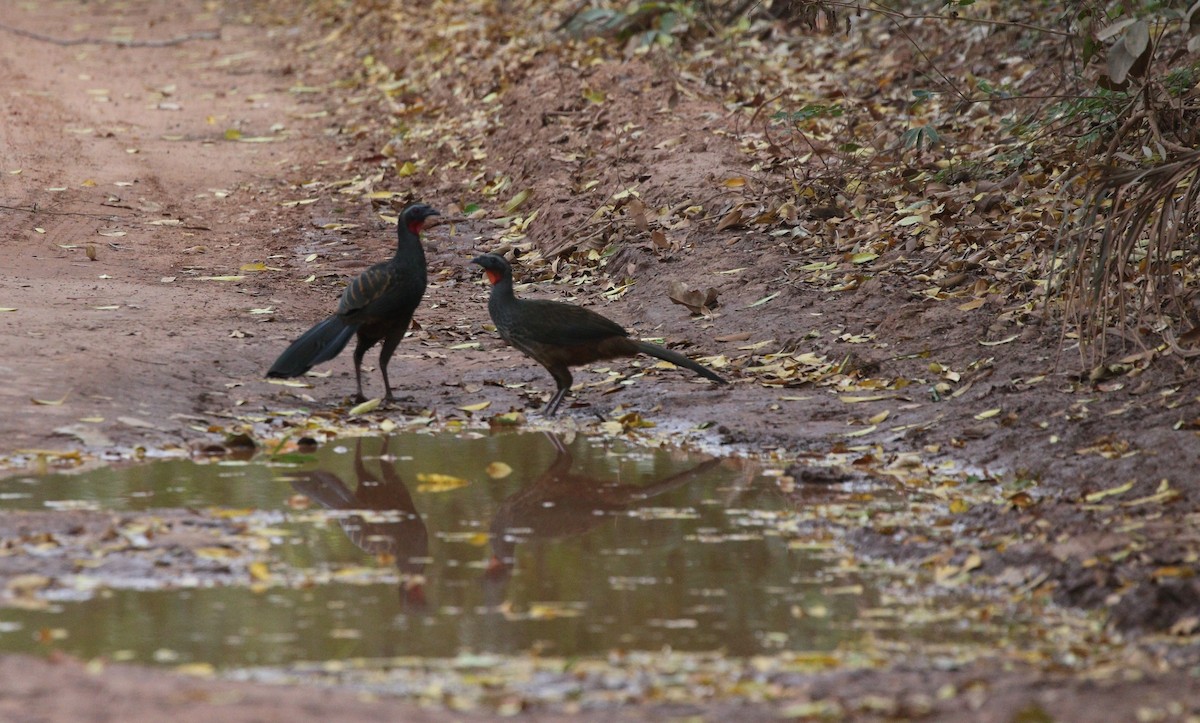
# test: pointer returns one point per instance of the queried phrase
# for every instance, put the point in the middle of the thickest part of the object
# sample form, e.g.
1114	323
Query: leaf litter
970	247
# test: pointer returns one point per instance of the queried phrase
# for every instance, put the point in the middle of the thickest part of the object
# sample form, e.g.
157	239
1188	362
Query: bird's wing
554	322
366	288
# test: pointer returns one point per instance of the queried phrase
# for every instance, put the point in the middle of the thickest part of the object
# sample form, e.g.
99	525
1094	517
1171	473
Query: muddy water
423	545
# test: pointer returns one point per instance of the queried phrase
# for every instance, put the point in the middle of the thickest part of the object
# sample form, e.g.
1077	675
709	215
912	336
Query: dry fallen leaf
697	302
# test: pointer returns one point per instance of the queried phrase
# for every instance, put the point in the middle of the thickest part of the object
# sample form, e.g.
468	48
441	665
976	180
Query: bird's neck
502	291
409	251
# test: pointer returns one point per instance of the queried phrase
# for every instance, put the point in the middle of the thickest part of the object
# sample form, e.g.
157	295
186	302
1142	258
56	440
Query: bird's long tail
319	344
678	360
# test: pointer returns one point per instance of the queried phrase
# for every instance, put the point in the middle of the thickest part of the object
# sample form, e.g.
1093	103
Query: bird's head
414	217
494	266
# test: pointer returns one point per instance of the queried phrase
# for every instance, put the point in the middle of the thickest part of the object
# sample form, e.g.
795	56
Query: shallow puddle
439	546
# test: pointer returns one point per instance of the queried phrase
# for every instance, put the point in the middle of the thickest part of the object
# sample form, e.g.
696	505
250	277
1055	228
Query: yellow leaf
1119	490
216	553
735	182
515	202
855	400
959	506
232	134
199	670
436	482
878	418
1002	341
407	169
259	571
861	432
256	266
8	308
863	257
972	305
988	414
51	403
368	406
477	407
595	96
221	278
290	383
498	470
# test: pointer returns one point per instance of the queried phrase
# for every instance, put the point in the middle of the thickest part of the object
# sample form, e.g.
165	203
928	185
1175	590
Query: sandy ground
125	200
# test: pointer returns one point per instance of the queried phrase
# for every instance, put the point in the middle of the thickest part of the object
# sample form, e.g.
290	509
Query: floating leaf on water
498	470
437	482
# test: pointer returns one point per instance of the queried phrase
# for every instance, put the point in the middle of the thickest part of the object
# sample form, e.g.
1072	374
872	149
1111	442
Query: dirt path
178	167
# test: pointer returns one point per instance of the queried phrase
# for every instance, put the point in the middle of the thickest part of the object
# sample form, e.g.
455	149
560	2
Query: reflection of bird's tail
323	487
678	360
319	344
667	484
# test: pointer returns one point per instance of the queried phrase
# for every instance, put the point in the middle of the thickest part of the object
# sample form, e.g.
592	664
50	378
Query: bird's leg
385	355
359	350
562	376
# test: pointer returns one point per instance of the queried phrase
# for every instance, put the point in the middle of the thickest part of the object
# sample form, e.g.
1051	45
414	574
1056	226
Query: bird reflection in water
561	504
400	535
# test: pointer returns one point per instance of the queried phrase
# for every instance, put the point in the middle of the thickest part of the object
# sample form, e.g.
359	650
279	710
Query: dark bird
401	534
560	336
377	305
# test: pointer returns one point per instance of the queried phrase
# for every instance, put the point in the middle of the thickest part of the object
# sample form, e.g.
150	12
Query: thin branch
178	40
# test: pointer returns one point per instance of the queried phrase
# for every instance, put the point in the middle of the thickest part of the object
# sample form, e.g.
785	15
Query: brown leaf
698	302
731	219
637	213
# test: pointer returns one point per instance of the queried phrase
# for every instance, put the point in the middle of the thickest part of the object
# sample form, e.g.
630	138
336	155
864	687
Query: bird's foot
358	398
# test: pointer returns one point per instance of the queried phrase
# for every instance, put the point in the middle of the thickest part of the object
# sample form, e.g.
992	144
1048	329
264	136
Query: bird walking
560	336
377	306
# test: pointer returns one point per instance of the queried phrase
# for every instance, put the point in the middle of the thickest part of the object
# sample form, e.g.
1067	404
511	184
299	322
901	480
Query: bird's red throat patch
414	227
493	276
